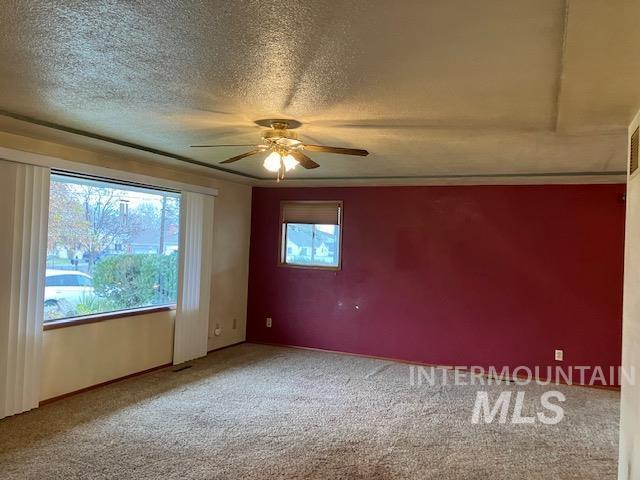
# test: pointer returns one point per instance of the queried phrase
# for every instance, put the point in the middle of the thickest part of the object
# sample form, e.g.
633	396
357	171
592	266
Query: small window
311	234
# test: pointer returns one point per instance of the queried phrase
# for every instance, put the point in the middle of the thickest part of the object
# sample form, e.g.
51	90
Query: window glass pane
299	245
110	247
326	242
314	245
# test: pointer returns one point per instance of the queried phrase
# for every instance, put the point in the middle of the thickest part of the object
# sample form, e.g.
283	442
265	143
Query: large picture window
111	247
311	233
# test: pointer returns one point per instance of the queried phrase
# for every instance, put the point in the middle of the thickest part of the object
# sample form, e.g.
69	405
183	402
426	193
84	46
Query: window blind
21	324
320	213
196	250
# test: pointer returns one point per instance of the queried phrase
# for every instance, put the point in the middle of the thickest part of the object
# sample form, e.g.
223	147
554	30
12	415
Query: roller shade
320	213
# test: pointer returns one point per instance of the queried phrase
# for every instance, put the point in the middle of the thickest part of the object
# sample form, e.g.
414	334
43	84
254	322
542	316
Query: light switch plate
559	356
269	322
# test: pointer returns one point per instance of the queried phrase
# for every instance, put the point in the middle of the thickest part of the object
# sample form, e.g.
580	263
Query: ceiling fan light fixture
289	162
285	149
272	162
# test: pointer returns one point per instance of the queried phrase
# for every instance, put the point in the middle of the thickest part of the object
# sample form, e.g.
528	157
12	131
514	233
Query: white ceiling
431	88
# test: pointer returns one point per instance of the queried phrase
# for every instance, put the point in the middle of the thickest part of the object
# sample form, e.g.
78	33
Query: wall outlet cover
269	322
559	355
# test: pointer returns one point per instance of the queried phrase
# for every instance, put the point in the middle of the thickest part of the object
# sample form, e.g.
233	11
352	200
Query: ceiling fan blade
305	161
223	145
239	157
342	150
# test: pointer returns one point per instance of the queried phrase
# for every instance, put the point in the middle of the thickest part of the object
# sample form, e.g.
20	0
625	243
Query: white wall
80	356
629	459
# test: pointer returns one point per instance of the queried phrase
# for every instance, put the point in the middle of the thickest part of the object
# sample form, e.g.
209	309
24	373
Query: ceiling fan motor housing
281	137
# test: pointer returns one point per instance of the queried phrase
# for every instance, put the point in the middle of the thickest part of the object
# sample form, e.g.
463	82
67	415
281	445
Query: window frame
101	317
282	236
115	314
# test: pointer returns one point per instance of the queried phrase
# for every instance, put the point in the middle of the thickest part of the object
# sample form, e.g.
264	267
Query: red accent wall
465	275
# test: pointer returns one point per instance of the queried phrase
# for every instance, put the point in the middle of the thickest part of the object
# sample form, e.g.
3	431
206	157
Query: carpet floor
261	412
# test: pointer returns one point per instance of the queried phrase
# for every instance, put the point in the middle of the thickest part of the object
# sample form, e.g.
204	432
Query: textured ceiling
435	88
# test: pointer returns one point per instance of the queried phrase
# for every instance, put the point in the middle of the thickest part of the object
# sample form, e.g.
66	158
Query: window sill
311	267
72	322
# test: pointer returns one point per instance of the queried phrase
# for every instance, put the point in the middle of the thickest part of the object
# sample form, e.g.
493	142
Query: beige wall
629	459
77	357
232	226
81	356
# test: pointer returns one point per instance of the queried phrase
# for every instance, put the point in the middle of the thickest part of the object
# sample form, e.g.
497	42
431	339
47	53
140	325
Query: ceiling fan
285	147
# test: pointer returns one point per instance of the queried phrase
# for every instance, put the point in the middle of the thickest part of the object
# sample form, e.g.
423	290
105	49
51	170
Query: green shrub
90	304
167	291
130	281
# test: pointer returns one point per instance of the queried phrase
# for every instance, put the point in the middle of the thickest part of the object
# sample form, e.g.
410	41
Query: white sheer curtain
25	228
196	257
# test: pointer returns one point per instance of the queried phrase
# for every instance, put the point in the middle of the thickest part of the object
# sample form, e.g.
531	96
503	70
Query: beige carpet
258	412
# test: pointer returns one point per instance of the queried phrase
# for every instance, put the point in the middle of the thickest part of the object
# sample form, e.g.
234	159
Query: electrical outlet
559	355
235	323
269	322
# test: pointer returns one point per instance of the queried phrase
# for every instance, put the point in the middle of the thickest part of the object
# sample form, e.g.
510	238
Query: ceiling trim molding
464	175
122	143
260	179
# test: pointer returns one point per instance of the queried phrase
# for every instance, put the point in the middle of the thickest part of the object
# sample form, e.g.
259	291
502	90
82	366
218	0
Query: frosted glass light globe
289	162
272	162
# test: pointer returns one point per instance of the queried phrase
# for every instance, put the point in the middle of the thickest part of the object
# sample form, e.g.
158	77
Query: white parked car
66	287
